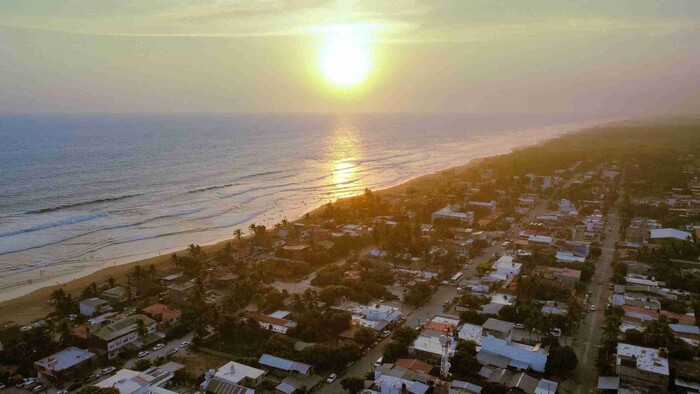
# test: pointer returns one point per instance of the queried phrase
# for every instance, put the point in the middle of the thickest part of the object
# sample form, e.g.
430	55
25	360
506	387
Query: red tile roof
414	364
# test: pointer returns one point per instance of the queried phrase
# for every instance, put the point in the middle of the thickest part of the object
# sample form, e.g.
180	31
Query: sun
345	60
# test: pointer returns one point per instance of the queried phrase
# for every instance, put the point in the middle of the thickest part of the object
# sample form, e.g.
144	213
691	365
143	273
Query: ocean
81	192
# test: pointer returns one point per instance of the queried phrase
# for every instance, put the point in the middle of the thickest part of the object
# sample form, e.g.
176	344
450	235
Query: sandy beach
34	305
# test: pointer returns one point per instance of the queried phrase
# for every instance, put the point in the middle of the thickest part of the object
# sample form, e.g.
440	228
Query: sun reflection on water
345	153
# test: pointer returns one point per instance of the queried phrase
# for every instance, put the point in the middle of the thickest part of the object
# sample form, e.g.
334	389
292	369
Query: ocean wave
215	187
84	203
63	222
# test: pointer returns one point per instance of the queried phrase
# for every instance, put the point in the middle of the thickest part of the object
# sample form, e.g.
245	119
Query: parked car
378	363
331	378
2	386
520	326
107	370
158	347
143	354
184	344
38	388
592	308
556	332
385	333
171	351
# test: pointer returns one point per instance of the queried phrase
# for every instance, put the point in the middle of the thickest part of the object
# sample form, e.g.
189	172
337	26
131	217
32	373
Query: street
590	332
152	355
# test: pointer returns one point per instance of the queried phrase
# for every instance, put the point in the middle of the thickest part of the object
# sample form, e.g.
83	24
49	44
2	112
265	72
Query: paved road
152	355
590	332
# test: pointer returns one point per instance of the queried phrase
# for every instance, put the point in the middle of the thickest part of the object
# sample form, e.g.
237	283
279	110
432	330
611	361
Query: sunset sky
626	58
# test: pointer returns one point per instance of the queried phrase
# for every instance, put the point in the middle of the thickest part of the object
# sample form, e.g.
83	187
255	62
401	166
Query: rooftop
121	327
666	233
233	372
498	325
65	359
284	364
94	302
647	359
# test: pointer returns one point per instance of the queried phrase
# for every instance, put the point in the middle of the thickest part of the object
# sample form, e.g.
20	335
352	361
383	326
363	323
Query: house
64	364
116	295
94	306
642	366
506	268
429	346
451	214
490	205
298	384
503	353
569	257
232	377
690	333
522	382
558	278
181	293
414	365
546	386
285	365
275	322
388	384
539	241
379	312
471	332
662	234
125	332
497	328
163	314
151	381
461	387
295	251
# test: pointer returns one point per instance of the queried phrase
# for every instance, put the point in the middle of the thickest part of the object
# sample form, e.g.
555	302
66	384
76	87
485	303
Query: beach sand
33	306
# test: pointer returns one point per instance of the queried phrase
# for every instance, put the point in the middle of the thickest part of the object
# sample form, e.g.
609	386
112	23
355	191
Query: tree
175	260
152	271
63	302
143	364
353	384
111	282
137	273
364	336
464	363
561	361
90	291
238	234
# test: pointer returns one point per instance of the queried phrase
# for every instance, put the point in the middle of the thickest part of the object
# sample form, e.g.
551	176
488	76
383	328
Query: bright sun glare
345	60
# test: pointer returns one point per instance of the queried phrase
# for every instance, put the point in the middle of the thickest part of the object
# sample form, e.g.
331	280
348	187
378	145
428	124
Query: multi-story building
115	336
642	366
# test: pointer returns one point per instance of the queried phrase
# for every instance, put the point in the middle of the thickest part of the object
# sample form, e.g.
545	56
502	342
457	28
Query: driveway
152	355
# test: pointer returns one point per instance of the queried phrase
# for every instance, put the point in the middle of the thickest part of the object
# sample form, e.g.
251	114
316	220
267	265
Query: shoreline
33	305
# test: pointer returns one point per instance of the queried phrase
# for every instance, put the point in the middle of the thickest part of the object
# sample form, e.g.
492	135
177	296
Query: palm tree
152	271
175	259
111	282
137	273
238	234
297	302
252	228
309	297
141	329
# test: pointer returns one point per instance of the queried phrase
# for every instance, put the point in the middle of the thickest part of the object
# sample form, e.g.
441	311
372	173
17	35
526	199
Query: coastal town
567	267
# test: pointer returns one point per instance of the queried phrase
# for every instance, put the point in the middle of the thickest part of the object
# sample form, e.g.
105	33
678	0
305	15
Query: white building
569	257
506	268
233	377
151	381
670	233
94	306
516	355
115	336
451	213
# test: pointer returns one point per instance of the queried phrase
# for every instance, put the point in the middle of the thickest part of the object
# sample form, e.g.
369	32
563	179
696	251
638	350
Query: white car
184	344
378	363
26	328
385	333
143	354
592	308
107	370
158	347
38	388
171	351
331	378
